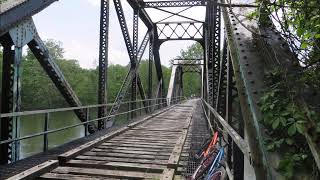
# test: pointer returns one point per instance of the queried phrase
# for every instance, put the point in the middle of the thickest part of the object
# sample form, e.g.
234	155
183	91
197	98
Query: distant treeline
38	91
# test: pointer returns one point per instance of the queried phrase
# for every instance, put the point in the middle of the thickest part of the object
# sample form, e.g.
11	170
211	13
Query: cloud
95	3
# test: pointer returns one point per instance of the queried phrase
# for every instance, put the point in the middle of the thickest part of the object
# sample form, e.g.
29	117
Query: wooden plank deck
150	149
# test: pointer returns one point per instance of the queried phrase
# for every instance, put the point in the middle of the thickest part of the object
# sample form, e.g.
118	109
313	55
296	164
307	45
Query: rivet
247	64
249	72
239	38
240	44
242	50
237	33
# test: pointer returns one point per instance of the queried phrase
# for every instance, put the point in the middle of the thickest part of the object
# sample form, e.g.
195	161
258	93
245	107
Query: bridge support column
10	99
103	61
150	67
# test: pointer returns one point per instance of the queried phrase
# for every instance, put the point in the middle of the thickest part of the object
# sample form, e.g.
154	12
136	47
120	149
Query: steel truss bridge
160	143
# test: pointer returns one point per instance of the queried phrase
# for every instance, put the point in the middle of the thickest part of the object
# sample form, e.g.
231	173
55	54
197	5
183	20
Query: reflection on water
34	124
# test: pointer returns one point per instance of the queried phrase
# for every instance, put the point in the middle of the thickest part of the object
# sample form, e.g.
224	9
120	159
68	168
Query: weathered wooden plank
63	158
36	170
133	156
74	152
167	174
105	173
117	165
56	176
121	159
152	139
132	152
155	130
135	148
176	153
137	145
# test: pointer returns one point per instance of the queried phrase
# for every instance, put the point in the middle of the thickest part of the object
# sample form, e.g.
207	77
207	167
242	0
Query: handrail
46	132
231	132
25	113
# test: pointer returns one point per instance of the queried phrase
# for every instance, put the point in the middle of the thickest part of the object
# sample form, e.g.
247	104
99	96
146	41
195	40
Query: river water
34	124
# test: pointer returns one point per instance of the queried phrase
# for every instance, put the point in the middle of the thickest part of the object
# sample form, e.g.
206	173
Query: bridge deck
155	147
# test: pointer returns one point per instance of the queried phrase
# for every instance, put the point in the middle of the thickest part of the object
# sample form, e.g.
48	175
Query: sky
76	24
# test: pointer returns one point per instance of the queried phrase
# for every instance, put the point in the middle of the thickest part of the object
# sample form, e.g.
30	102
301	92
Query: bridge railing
153	104
226	130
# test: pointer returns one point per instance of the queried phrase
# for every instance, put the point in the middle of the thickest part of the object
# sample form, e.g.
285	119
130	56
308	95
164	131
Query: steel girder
222	83
48	64
142	13
103	60
133	105
132	71
134	61
233	116
150	65
213	18
156	55
173	3
126	83
10	99
249	83
17	37
14	11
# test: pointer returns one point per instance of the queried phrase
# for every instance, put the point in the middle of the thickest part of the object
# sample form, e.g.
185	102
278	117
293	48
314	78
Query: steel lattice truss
173	3
232	76
180	31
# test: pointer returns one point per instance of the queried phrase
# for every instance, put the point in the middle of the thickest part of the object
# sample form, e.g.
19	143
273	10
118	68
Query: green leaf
272	106
289	141
317	36
275	123
300	128
283	121
292	130
270	147
304	45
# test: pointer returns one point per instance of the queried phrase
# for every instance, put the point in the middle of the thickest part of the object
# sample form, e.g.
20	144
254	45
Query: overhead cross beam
172	3
186	30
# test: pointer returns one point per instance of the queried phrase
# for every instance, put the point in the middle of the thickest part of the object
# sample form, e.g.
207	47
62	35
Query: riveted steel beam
248	67
10	99
103	60
142	13
153	4
14	11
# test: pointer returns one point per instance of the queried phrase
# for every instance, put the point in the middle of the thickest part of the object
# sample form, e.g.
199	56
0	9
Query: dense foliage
287	114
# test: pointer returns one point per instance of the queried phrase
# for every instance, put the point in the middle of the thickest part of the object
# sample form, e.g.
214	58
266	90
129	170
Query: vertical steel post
133	65
103	60
46	128
86	127
150	67
11	100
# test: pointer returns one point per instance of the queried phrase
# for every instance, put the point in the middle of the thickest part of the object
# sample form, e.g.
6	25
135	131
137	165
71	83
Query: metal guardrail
47	112
241	143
